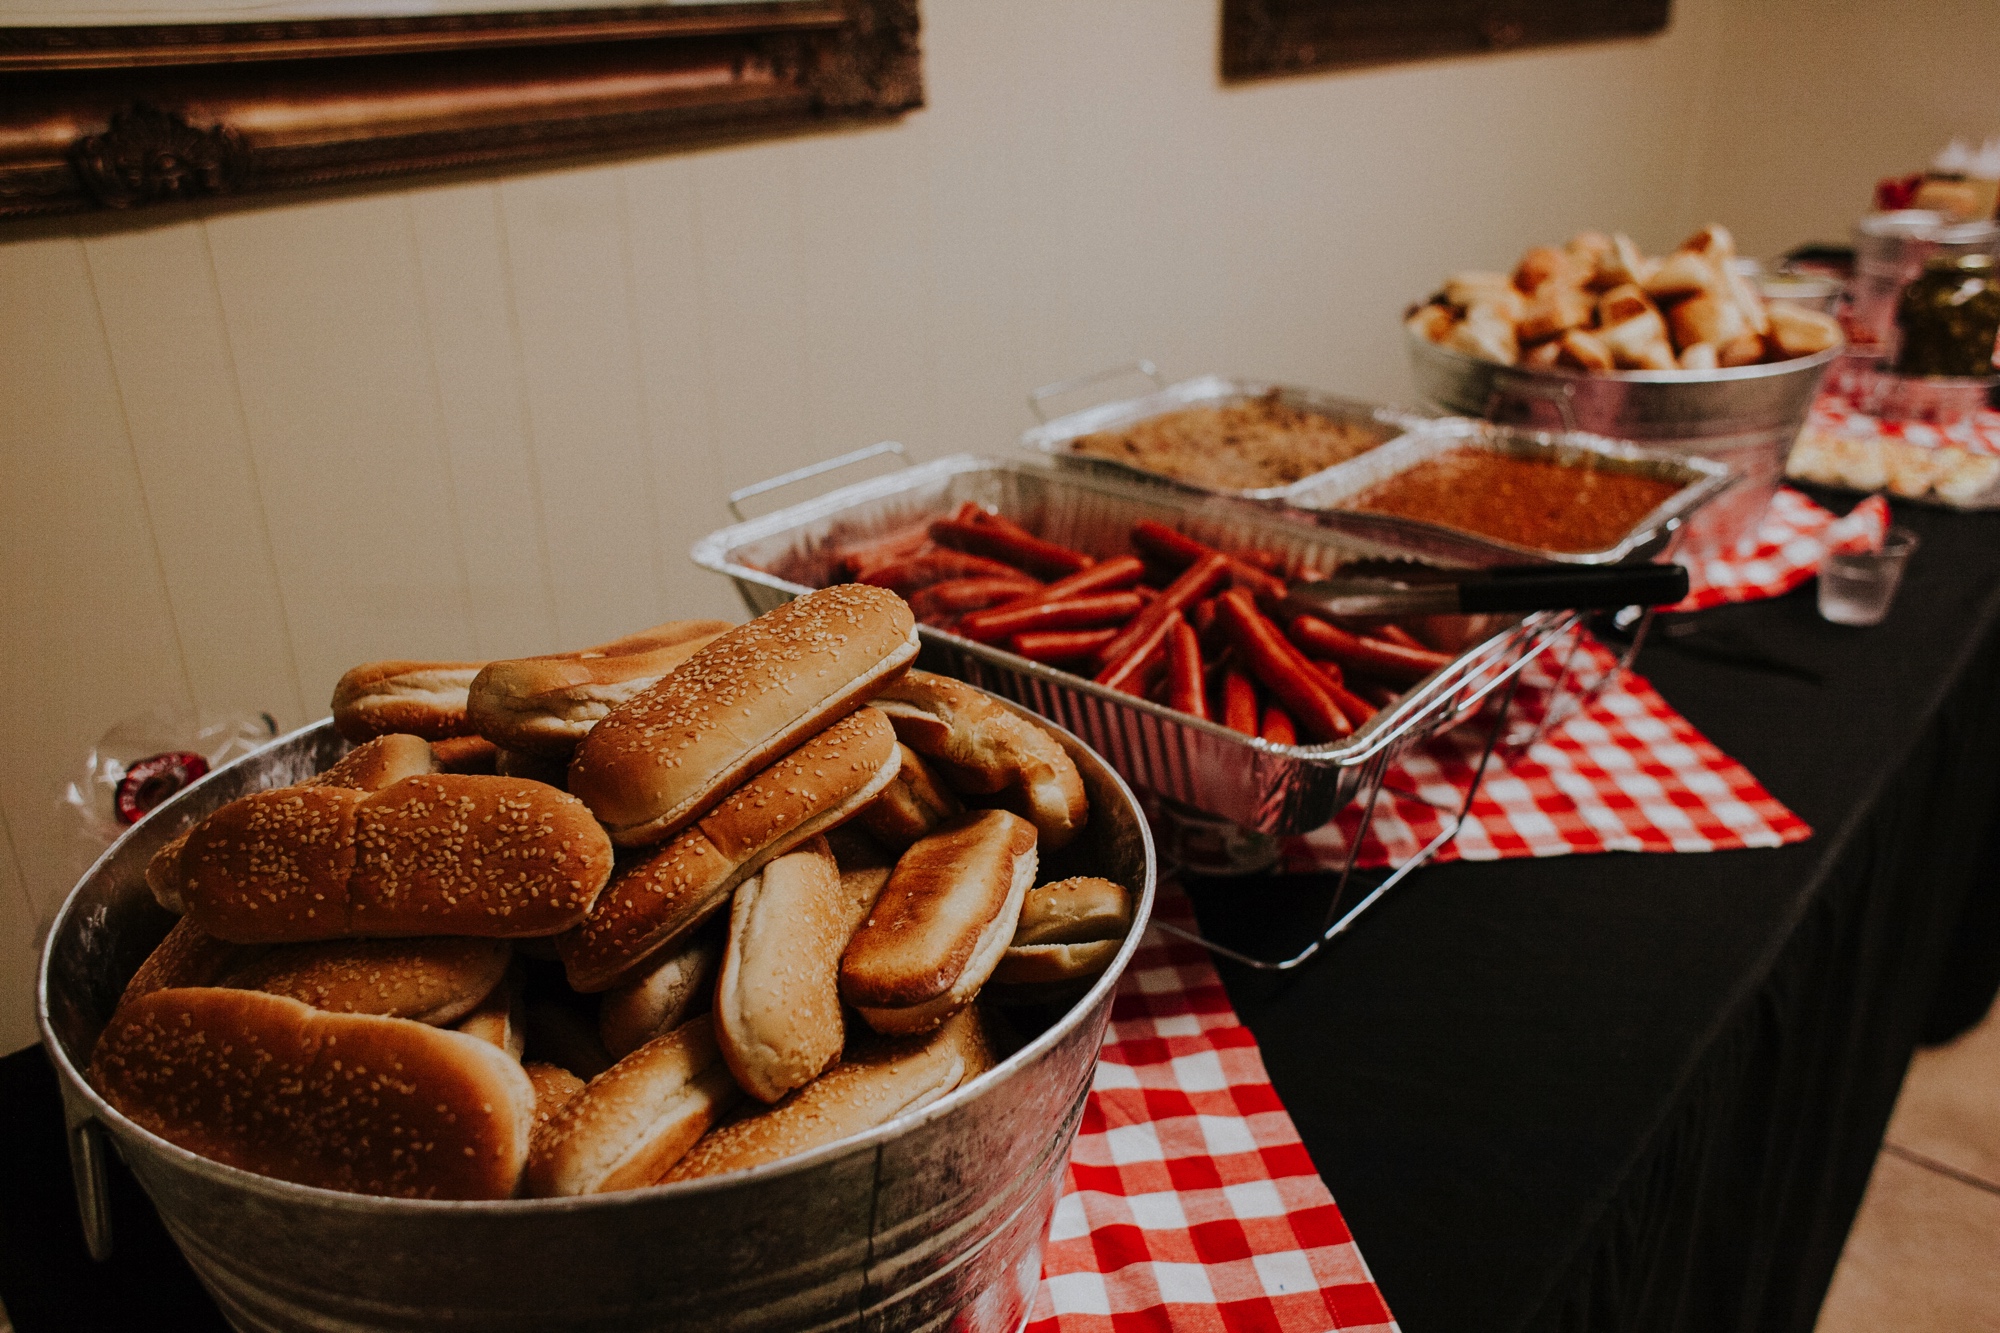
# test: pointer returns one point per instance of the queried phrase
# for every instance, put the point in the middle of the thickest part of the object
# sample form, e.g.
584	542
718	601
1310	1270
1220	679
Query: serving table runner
1189	1204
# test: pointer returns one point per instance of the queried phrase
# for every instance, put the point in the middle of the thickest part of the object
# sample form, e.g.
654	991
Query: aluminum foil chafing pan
1057	438
1276	789
936	1220
1699	481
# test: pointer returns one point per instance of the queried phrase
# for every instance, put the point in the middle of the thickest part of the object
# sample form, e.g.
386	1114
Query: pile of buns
1945	473
678	905
1597	304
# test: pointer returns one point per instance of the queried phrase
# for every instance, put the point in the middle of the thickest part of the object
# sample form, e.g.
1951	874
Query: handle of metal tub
1562	395
1036	397
90	1173
810	470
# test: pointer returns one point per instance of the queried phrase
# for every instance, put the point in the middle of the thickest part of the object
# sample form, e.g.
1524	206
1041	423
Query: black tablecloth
1600	1092
1645	1092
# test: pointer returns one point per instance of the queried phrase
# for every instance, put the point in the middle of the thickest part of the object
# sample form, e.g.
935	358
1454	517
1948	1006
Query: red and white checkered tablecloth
1978	433
1627	774
1190	1205
1784	552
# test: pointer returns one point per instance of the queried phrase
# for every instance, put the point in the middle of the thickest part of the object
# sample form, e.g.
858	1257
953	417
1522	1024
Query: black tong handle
1561	588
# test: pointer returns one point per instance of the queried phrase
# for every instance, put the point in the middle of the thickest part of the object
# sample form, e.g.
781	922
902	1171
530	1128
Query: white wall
242	451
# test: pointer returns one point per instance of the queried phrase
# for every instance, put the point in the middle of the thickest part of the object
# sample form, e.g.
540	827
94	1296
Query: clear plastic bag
143	760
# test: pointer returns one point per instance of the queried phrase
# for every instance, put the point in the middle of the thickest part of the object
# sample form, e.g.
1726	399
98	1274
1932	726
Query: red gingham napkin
1784	552
1189	1204
1627	774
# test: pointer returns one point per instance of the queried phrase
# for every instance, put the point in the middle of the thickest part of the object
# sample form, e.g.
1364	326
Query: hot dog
1009	542
1272	661
1091	611
1377	657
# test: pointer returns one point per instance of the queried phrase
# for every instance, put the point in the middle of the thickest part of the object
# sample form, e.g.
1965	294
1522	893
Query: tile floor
1924	1253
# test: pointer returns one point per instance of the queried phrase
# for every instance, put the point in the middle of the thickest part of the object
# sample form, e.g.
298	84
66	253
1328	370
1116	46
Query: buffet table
1598	1091
1647	1091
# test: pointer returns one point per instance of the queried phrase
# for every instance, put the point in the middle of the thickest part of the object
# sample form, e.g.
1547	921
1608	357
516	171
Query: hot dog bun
425	699
188	956
636	1119
777	1002
1069	932
376	764
663	995
545	705
982	748
442	854
341	1101
555	1088
656	763
466	754
941	924
911	806
438	980
658	902
871	1088
502	1018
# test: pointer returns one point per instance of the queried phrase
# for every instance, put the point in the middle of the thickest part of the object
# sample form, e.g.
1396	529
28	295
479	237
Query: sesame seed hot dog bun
436	980
911	806
343	1101
871	1087
424	699
371	766
545	705
777	1004
982	748
446	854
632	1122
941	924
658	902
672	988
656	763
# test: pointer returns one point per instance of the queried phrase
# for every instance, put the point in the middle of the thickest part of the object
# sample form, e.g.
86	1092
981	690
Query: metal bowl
936	1220
1747	417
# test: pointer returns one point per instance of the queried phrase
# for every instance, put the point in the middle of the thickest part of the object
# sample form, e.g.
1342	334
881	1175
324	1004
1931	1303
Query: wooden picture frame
123	117
1264	39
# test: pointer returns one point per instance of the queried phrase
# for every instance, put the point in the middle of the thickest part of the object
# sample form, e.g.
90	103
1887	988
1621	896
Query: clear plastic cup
1856	588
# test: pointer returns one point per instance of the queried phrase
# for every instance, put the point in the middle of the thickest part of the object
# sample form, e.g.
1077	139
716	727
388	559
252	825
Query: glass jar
1949	318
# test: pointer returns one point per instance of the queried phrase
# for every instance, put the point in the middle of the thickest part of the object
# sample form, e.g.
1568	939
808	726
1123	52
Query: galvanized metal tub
1747	417
934	1221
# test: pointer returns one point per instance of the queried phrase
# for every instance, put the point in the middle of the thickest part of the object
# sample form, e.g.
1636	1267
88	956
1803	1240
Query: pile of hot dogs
1176	621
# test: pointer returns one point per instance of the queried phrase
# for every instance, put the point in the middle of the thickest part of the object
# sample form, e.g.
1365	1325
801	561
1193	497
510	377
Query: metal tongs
1504	588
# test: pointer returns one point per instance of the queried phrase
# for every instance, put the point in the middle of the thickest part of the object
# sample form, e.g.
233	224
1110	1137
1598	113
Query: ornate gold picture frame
113	117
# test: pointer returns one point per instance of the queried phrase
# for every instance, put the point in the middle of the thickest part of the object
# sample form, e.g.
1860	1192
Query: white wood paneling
89	638
177	382
323	303
662	220
870	351
569	268
475	348
752	293
20	939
